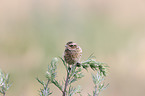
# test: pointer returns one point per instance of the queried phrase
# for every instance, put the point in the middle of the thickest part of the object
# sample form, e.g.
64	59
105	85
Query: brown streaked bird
72	53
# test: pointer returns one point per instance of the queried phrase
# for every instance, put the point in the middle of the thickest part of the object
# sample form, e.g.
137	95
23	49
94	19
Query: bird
72	53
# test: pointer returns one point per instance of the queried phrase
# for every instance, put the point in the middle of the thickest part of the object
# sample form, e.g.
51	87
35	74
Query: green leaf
72	80
57	84
91	56
41	82
64	63
4	82
89	94
85	66
98	82
73	90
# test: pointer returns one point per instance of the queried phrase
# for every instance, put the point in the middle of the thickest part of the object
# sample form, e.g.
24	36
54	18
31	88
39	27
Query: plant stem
4	94
95	93
46	84
66	83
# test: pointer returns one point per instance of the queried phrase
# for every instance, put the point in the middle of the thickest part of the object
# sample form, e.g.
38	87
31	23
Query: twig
66	83
95	93
47	84
4	94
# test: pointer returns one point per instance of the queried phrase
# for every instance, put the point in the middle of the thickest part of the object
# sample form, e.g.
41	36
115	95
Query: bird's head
71	45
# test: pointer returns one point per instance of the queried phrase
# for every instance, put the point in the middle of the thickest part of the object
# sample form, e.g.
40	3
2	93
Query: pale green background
32	32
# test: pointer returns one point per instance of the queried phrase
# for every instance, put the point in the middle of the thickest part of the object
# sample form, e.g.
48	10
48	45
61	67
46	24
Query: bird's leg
69	68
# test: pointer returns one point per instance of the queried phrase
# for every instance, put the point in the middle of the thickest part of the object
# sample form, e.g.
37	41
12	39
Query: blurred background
32	32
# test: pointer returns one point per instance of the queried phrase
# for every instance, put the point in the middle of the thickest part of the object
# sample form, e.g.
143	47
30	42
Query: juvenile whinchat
72	53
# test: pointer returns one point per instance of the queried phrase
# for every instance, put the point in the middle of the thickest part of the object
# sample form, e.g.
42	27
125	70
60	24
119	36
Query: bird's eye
71	45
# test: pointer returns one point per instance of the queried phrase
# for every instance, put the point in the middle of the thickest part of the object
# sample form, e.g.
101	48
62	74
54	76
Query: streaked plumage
72	53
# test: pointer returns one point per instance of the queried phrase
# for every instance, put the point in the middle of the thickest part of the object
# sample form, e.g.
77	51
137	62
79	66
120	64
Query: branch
66	83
